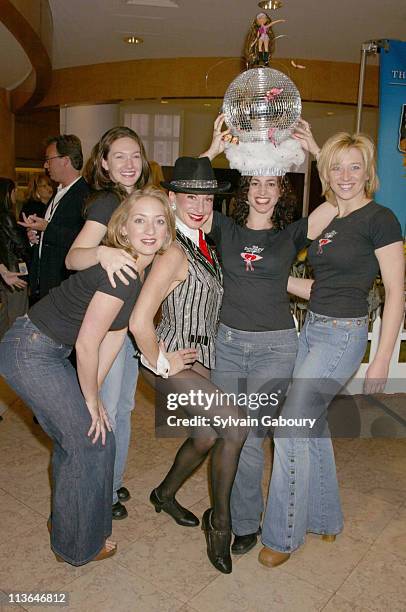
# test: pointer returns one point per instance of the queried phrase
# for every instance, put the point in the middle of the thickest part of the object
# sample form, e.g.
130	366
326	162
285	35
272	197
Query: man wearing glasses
52	236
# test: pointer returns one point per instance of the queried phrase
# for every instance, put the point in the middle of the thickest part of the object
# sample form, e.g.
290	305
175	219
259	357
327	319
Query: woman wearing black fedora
187	280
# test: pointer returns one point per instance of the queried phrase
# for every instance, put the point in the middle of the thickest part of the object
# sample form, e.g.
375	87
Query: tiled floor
163	567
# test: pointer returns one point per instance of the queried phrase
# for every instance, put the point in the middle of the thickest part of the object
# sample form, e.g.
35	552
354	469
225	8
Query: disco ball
262	104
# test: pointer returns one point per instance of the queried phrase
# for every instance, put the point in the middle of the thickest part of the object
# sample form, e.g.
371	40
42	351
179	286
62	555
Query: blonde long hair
115	237
339	143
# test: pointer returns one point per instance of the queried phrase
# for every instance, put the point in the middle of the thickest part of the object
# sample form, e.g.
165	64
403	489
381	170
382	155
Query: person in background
40	191
157	176
117	167
85	311
13	260
53	235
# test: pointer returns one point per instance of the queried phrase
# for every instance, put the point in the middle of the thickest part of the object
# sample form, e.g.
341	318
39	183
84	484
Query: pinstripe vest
190	313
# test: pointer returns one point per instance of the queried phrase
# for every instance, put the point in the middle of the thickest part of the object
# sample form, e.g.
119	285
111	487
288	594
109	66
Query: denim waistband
26	322
313	317
257	337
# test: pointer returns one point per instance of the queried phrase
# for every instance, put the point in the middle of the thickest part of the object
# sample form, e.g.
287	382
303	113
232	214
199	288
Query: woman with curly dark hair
284	210
257	341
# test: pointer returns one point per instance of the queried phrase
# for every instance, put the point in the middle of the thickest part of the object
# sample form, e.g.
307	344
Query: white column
88	122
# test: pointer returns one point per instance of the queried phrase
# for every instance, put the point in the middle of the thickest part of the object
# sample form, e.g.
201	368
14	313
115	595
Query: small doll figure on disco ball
259	44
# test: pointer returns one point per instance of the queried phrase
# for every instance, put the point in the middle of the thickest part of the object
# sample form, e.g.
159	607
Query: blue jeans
304	494
117	394
252	362
38	369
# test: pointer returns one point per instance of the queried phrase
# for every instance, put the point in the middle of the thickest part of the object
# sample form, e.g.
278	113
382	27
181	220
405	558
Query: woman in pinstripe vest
187	281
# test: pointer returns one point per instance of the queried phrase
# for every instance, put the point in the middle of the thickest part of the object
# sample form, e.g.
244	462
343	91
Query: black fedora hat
195	175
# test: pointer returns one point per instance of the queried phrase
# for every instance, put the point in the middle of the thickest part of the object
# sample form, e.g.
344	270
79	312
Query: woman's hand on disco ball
303	134
220	137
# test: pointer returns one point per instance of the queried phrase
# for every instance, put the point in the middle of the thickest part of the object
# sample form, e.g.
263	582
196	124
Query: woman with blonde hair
117	166
87	313
363	239
40	191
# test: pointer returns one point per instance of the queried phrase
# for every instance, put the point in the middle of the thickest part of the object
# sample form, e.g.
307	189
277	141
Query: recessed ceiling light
164	102
133	40
270	4
330	113
159	3
206	104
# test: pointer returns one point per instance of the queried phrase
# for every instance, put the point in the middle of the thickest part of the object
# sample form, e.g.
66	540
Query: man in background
52	236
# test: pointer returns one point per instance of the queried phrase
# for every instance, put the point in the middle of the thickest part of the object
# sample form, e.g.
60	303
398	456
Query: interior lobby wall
6	136
321	81
88	122
196	86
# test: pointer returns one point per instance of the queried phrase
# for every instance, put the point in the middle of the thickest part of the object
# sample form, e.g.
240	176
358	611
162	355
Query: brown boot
272	558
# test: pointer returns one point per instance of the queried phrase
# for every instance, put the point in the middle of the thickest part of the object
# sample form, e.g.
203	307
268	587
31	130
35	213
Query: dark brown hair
99	178
68	145
284	211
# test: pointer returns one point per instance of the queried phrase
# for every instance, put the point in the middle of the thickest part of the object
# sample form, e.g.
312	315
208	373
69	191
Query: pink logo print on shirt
249	258
328	236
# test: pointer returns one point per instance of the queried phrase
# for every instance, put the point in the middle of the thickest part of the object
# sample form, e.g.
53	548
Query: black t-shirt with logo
256	266
59	315
344	262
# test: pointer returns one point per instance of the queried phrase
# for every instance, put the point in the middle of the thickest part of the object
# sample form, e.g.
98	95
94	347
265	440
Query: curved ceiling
91	32
12	73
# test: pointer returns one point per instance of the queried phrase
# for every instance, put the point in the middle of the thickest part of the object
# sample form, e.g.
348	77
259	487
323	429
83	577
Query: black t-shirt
102	207
344	262
256	266
60	314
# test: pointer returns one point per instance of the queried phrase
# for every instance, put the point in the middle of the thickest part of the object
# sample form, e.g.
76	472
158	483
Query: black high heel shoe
218	544
181	515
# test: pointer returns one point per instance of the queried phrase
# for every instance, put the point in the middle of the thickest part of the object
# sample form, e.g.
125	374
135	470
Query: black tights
225	442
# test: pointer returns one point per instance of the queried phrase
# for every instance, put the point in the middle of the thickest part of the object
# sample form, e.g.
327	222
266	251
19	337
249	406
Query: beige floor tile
191	491
24	430
338	604
368	479
16	518
393	537
378	582
29	458
142	519
28	564
386	454
108	586
33	490
173	557
139	462
253	588
365	516
161	566
326	564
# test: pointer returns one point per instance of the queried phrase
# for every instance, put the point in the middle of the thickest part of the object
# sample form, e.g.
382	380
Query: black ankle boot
181	515
243	544
218	544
